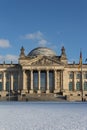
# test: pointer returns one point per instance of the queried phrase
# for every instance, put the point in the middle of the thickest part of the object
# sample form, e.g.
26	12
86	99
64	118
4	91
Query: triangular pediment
45	61
42	61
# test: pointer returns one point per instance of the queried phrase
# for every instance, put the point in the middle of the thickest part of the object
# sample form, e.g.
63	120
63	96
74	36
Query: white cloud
53	47
4	43
42	42
34	36
37	37
9	58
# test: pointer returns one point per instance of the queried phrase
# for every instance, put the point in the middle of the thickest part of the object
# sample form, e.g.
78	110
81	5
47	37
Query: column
48	89
31	82
39	79
18	81
4	81
39	84
61	89
24	91
55	82
21	80
24	80
12	81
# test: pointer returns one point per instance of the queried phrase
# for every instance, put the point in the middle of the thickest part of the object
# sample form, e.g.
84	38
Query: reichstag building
43	71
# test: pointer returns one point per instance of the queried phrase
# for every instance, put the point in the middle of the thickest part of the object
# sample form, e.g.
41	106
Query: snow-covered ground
43	116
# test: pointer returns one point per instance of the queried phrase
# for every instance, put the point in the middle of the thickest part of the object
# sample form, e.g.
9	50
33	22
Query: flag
80	61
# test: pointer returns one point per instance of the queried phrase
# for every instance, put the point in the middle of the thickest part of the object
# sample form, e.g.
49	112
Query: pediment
44	61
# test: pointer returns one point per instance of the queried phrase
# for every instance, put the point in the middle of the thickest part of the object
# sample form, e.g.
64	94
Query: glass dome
42	51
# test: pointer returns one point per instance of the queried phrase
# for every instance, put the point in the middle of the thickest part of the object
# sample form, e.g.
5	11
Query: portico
41	81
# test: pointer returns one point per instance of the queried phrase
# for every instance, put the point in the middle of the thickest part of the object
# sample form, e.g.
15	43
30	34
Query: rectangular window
15	84
7	86
71	75
78	86
70	86
85	76
15	75
85	86
0	86
7	76
51	81
35	80
78	76
0	75
43	81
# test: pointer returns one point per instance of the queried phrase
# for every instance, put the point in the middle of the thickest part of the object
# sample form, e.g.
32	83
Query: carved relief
44	61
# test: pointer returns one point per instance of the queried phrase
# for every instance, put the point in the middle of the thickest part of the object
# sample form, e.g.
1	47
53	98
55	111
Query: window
7	76
7	86
0	75
35	80
0	86
51	81
85	86
70	86
71	75
15	83
15	75
78	86
78	75
43	80
15	86
85	76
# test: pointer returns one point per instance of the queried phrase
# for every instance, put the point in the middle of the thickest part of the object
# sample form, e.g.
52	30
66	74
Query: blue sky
50	23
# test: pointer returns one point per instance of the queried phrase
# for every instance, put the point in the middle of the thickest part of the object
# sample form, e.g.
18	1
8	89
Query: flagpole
80	66
81	75
82	82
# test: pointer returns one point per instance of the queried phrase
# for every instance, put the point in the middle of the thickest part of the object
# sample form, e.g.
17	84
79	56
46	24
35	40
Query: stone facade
45	72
